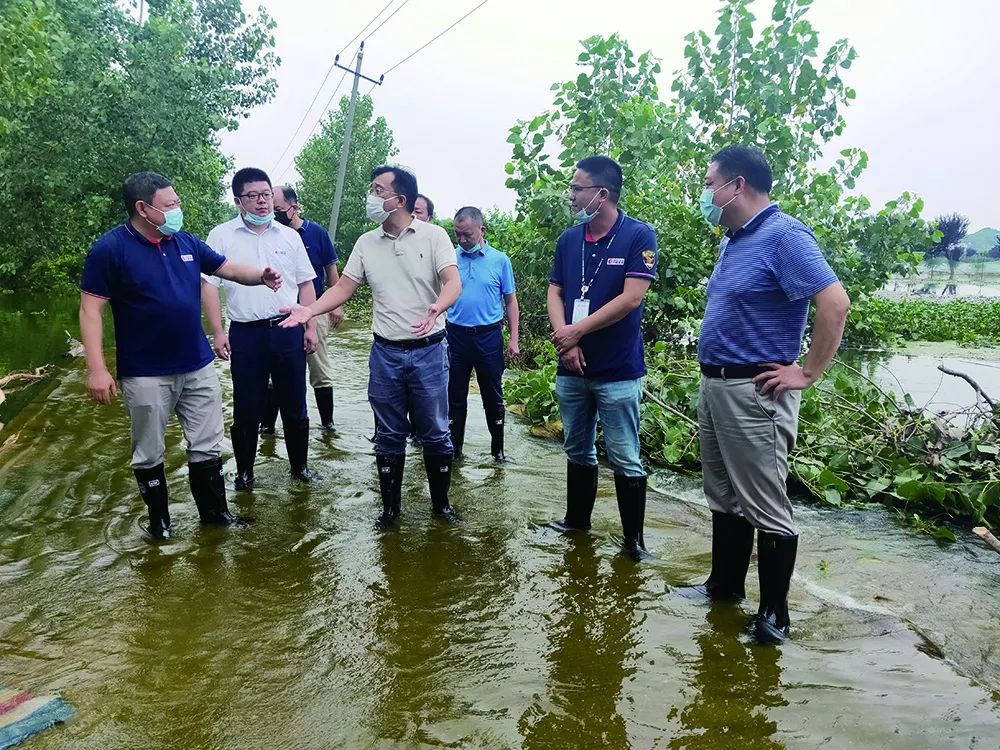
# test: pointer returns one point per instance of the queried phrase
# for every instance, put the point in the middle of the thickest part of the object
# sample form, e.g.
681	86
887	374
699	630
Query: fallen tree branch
667	407
975	386
38	374
983	533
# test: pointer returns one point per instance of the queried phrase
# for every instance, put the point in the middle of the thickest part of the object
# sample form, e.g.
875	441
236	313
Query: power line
330	70
372	33
419	49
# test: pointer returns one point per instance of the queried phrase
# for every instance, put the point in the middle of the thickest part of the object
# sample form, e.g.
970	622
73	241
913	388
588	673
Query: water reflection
593	641
735	683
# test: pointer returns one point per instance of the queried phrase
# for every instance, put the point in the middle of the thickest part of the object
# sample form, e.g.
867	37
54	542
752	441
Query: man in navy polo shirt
602	270
150	272
769	268
323	258
475	330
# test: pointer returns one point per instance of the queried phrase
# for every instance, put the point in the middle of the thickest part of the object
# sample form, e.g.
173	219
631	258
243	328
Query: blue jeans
581	401
415	378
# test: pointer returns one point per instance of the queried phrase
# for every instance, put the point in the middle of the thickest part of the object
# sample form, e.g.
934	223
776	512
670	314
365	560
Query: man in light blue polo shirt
475	330
769	269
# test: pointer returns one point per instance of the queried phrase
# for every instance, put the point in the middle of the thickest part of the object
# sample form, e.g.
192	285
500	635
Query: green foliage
774	89
857	442
918	320
105	97
533	391
371	147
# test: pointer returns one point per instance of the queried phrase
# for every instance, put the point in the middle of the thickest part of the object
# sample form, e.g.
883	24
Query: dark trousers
479	349
405	385
258	354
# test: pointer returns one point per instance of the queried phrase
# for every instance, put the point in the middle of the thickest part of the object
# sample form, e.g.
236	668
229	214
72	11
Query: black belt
477	329
733	372
435	338
265	323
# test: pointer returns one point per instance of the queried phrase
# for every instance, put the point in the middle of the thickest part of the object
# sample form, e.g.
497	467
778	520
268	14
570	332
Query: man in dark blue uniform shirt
602	270
323	258
149	271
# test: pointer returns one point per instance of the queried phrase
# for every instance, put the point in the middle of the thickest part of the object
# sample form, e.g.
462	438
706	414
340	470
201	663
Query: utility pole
348	128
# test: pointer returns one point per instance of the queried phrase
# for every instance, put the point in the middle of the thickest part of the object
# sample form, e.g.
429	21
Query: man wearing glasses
602	270
411	268
259	349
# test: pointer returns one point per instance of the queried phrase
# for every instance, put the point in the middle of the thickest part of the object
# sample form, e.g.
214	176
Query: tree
774	90
317	162
994	251
123	97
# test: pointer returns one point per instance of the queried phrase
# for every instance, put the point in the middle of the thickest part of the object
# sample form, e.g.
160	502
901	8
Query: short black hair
403	183
469	212
430	205
289	192
746	162
605	173
141	186
248	174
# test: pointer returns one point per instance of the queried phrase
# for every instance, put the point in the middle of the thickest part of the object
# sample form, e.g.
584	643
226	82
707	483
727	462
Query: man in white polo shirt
411	268
259	349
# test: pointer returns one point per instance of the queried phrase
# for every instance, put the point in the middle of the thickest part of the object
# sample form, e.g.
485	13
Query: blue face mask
472	250
173	220
712	213
259	221
582	217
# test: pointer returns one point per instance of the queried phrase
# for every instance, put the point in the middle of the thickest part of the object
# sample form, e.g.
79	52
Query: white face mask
375	208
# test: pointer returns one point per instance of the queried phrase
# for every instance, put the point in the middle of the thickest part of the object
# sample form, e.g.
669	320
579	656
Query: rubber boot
439	479
457	426
631	493
390	485
245	452
153	488
324	404
495	419
581	493
775	565
732	545
297	445
208	487
270	413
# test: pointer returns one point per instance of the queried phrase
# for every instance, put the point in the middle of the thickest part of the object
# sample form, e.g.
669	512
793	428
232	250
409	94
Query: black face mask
283	217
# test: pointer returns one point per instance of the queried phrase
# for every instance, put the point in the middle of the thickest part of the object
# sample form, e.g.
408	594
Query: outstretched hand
298	315
426	324
271	279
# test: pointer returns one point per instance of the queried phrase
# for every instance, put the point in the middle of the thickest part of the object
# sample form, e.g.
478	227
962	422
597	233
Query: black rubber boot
457	426
245	452
581	493
297	445
732	545
208	487
153	488
631	493
495	419
390	485
439	479
775	565
270	413
324	404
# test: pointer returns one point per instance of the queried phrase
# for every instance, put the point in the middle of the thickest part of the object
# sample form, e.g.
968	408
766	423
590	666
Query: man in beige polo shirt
411	268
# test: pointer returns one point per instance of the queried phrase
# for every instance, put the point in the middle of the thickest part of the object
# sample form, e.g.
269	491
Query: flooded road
312	629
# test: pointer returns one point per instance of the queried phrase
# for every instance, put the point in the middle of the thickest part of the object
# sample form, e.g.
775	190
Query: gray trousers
746	437
196	399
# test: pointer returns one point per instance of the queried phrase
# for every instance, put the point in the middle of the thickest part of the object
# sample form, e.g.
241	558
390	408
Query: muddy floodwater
312	629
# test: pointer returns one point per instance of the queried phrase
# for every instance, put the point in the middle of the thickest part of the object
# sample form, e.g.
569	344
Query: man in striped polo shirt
769	268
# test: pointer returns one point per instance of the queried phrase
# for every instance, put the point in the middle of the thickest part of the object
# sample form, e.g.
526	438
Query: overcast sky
927	77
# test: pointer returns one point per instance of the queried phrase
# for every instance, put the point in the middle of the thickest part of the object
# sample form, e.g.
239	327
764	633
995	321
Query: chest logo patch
187	258
649	258
616	261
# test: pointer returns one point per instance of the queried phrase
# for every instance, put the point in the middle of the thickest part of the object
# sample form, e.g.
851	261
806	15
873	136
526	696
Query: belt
733	372
490	327
265	323
435	338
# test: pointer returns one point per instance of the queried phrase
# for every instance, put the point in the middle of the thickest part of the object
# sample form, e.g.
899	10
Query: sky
927	81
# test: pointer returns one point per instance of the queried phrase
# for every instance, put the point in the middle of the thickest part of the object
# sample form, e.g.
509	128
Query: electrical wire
434	39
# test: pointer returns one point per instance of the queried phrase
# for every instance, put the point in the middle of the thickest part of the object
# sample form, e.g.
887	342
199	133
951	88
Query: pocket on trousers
764	401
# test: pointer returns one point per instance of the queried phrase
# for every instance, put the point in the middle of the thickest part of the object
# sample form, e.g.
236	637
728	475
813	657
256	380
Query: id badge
581	309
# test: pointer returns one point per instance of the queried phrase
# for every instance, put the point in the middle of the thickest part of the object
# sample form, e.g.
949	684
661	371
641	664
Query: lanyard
584	286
